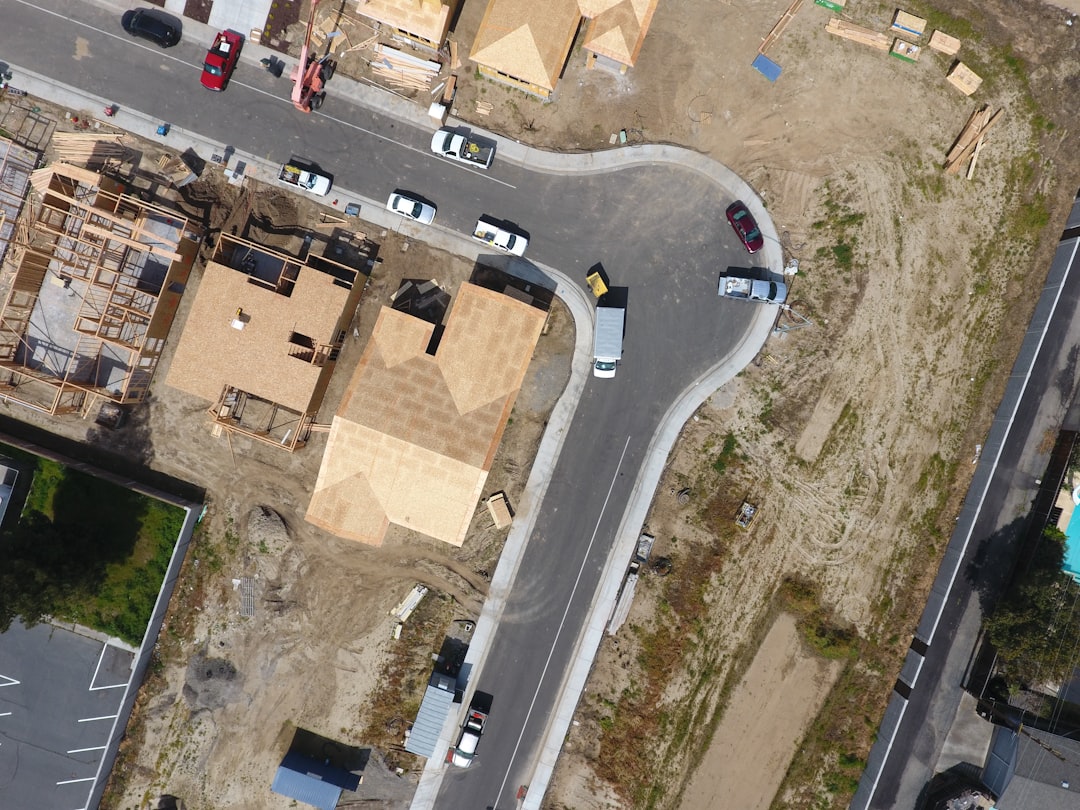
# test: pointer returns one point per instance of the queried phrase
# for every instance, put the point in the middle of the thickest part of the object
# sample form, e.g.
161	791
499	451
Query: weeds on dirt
403	679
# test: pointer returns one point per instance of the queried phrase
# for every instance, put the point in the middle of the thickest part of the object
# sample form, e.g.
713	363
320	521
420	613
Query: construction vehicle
311	73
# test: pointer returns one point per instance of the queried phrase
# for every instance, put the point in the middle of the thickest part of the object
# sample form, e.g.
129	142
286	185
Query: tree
1036	626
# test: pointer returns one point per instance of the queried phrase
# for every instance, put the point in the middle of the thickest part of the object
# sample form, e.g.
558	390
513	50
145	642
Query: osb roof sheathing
427	20
212	354
618	27
415	435
527	40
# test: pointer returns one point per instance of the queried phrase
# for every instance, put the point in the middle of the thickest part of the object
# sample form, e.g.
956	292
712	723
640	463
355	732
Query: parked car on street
305	179
221	60
411	207
493	234
745	227
147	24
465	750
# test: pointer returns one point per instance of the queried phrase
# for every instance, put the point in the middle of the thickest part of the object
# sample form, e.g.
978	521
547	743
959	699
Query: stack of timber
908	25
905	50
943	43
402	69
964	79
484	107
971	139
857	33
89	150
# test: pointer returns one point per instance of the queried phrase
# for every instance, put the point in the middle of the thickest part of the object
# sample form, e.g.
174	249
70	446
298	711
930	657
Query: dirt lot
854	437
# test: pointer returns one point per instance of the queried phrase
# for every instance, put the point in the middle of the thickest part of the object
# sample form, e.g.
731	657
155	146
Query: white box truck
607	342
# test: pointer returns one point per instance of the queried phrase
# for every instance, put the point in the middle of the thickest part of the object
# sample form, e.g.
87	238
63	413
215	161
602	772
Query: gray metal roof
438	700
312	782
1001	761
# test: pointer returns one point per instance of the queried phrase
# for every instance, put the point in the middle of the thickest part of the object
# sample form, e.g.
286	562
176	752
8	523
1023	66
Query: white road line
81	750
92	719
562	623
111	686
74	781
5	714
8	681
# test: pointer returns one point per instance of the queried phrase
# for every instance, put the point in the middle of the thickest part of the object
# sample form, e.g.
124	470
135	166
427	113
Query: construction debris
964	79
484	107
971	138
744	518
499	510
943	43
778	29
857	33
175	170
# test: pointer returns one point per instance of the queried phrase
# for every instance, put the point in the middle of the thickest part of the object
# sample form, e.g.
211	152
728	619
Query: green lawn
83	550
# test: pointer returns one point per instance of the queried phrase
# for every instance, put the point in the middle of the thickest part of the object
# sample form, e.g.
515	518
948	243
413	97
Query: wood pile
484	107
856	33
92	150
402	69
971	139
964	79
902	49
943	43
907	25
778	29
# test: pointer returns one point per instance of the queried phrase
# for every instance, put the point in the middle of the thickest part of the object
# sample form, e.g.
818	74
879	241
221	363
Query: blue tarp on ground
312	782
767	67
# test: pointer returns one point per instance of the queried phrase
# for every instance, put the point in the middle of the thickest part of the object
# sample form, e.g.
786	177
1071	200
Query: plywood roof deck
618	27
527	40
427	20
416	433
262	358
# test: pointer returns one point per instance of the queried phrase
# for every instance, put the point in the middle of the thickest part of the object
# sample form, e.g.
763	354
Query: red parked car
221	60
745	227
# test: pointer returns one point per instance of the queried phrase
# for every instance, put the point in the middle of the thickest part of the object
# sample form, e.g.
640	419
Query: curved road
658	230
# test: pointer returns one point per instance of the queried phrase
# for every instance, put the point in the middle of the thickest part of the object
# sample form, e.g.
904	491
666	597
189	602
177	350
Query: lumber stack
92	150
943	43
402	69
964	79
971	139
856	33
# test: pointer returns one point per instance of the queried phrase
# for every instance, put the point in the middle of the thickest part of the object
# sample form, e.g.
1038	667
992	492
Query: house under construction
98	277
263	336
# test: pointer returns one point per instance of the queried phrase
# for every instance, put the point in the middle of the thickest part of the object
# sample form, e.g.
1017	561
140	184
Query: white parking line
97	669
5	714
92	719
81	750
8	681
74	781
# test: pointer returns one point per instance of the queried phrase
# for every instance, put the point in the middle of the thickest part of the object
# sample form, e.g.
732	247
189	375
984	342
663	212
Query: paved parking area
60	696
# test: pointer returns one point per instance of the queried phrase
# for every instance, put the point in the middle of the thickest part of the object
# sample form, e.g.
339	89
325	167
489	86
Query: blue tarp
312	782
767	67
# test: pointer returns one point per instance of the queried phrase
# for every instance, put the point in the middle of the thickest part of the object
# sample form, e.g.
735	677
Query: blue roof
312	782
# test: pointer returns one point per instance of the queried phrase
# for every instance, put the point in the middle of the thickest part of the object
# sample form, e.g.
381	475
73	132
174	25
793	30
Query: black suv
143	23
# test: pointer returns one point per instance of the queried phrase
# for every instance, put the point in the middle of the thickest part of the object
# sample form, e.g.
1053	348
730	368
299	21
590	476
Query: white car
411	208
465	750
304	179
490	233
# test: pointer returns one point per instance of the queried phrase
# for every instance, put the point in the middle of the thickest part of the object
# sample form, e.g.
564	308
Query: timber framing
98	275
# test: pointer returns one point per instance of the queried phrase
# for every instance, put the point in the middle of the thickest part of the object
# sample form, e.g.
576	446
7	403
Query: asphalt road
990	555
658	231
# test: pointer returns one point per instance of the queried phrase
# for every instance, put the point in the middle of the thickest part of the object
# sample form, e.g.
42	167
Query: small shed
438	700
312	782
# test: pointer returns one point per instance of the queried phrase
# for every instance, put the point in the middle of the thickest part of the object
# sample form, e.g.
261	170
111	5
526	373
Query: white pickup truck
457	147
748	289
490	233
313	183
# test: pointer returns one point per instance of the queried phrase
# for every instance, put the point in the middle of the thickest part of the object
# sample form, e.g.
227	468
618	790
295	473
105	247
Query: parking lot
60	696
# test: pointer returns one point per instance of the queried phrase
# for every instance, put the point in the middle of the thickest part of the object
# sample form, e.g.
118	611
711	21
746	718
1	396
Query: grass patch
84	550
